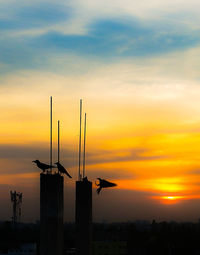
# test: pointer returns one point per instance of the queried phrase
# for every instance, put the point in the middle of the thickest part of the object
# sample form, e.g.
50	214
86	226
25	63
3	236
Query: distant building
24	249
71	251
109	248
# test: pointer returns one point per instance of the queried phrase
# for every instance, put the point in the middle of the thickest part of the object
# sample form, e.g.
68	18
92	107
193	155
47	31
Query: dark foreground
132	238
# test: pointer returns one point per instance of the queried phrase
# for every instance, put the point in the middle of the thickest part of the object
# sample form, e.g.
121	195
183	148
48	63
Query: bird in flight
104	184
62	169
42	166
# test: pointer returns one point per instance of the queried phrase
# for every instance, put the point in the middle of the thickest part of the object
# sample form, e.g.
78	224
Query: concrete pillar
51	214
84	217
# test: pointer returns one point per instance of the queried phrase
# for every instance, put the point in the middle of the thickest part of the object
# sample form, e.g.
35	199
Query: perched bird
62	169
42	166
104	184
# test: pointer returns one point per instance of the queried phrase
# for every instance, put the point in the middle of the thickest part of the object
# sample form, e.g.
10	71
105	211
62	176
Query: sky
136	66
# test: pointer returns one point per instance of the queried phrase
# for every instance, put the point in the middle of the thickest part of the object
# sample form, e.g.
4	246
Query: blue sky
33	34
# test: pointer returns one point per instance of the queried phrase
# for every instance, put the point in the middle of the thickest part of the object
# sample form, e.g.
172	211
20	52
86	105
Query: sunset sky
136	66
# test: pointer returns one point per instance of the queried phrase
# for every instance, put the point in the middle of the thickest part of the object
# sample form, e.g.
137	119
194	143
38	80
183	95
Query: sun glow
172	197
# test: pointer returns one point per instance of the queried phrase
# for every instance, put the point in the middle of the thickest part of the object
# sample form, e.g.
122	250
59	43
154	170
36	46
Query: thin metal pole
79	166
51	133
84	147
58	141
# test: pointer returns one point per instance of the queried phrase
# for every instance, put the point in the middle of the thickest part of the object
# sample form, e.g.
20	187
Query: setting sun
168	200
172	197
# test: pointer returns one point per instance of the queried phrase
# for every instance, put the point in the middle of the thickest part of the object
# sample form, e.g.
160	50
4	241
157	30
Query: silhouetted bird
62	169
104	184
42	166
85	179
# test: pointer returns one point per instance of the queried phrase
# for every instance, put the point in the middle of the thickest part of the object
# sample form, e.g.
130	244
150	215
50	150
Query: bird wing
107	184
68	174
63	170
98	190
44	166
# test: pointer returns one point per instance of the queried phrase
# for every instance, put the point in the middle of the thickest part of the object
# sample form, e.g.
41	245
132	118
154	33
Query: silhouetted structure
84	217
16	200
51	214
51	206
83	203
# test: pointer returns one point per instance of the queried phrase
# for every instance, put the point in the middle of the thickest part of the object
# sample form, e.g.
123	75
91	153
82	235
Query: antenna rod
51	133
79	168
58	141
84	147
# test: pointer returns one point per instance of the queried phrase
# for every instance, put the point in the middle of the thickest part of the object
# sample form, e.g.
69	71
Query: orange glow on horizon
143	144
169	200
154	184
172	197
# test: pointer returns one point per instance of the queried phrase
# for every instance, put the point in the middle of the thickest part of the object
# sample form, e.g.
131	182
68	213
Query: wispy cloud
111	39
34	34
32	15
24	154
106	41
